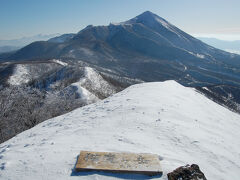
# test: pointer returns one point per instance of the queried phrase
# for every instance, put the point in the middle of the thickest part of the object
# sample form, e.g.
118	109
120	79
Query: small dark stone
187	172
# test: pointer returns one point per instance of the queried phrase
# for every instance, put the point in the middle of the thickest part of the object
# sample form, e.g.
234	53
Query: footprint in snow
23	162
32	135
2	151
160	158
5	148
125	141
194	142
2	166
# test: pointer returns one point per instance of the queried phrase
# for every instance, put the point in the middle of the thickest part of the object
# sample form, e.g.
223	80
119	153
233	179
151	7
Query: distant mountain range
143	49
230	46
5	49
14	44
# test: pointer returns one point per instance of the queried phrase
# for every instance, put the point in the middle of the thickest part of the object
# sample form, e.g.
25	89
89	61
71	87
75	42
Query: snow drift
165	118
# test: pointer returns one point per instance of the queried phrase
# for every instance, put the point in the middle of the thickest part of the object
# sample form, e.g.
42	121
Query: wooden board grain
140	163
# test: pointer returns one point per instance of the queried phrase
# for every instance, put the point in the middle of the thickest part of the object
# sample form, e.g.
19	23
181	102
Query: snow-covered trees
24	107
50	90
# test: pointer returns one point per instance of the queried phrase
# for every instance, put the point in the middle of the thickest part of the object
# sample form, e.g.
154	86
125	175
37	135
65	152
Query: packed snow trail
164	118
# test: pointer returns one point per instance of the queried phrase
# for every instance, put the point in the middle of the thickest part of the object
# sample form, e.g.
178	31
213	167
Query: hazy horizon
216	36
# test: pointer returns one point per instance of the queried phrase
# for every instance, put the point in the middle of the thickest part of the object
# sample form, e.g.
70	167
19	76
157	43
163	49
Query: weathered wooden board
142	163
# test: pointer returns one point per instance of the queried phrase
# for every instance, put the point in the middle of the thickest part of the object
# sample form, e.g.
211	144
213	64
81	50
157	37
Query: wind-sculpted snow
176	122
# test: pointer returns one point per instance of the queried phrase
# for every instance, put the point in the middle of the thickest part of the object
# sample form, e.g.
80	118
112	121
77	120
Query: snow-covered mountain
146	47
179	124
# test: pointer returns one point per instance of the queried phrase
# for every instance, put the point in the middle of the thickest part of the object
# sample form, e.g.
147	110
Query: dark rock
187	172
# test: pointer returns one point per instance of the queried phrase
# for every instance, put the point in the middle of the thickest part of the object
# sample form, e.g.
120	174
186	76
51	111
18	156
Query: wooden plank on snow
142	163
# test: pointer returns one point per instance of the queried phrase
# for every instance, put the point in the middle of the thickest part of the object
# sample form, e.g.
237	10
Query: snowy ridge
164	118
96	82
168	26
90	85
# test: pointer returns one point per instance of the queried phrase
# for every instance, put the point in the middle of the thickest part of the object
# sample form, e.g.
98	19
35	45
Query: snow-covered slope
176	122
91	87
95	83
19	76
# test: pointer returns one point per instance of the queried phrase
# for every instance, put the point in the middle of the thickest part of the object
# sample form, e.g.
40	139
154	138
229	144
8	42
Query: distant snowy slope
165	118
91	87
20	75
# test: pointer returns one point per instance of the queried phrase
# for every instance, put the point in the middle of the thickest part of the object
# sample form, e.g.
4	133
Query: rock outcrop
187	172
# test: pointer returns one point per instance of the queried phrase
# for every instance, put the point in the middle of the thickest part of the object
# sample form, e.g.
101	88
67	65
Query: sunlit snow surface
176	122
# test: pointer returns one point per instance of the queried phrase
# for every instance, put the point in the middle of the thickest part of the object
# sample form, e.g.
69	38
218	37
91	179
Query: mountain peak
148	18
148	13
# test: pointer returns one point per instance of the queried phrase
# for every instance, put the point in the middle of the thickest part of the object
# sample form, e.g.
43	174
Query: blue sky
18	18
